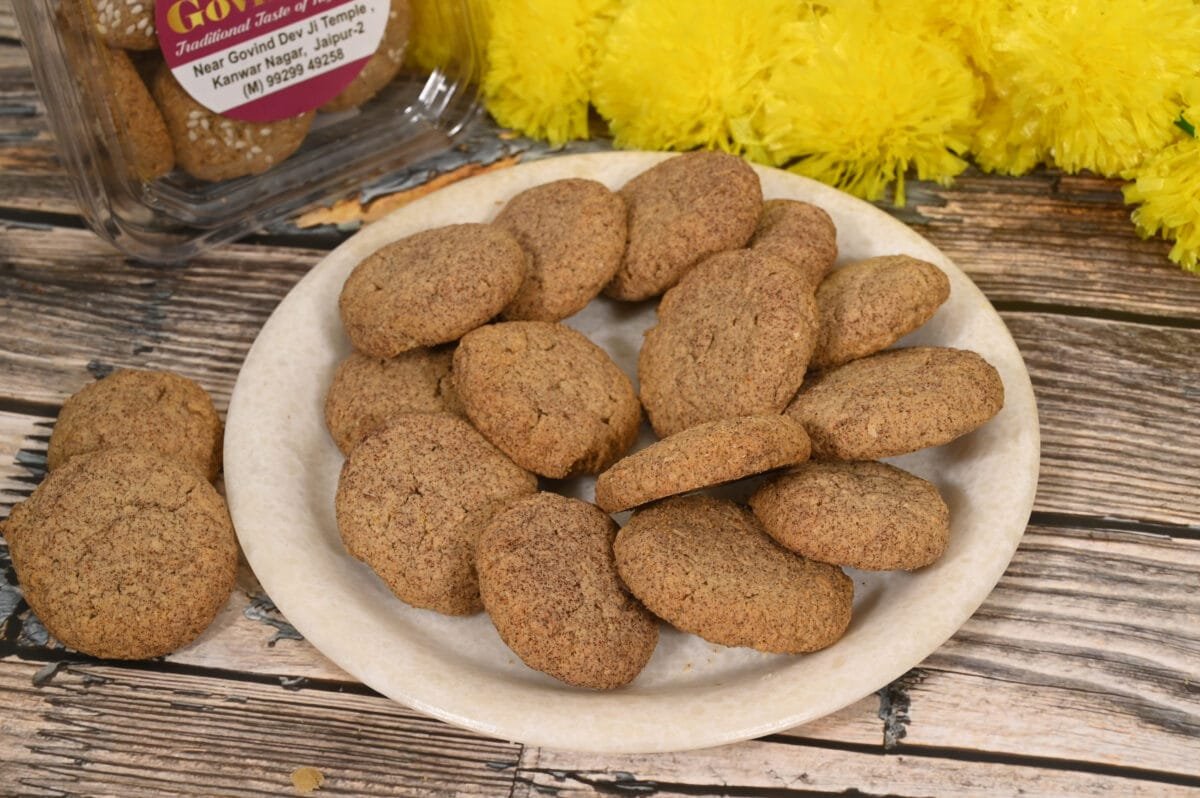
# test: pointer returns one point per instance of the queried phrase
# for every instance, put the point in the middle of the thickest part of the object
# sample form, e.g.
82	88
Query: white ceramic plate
281	473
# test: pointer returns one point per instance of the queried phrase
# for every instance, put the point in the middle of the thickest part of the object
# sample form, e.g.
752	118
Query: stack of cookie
465	387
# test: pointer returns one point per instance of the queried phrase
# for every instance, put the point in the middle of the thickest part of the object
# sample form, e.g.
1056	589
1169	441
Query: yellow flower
440	40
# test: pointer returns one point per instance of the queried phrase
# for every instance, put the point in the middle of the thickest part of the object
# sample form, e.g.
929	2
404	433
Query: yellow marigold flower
438	38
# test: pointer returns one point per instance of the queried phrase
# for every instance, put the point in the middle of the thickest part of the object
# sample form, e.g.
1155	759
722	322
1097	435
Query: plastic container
176	216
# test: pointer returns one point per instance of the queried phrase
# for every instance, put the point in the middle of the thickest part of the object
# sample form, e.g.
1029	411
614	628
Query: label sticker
266	60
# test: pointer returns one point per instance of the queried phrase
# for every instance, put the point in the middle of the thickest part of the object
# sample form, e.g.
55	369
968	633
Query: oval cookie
382	67
141	125
799	233
125	24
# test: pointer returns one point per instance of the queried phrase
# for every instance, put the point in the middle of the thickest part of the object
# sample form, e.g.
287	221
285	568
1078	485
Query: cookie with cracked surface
546	396
124	553
430	288
680	212
865	515
550	585
701	457
897	402
125	24
799	233
574	233
142	129
732	339
412	499
383	66
707	567
866	307
152	410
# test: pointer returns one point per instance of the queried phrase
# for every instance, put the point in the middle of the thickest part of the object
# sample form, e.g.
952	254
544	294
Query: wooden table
1080	675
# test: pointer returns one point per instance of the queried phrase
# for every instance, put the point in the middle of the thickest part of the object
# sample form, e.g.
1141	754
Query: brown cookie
867	306
574	233
127	24
140	124
383	66
367	392
896	402
799	233
864	515
151	410
546	396
212	147
707	567
550	585
680	212
732	339
124	554
430	288
412	499
700	457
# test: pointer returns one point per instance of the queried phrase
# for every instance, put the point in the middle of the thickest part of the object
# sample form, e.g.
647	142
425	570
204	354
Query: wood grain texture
8	21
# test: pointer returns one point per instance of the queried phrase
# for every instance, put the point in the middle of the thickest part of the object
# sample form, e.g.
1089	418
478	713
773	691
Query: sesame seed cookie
700	457
127	24
868	306
141	125
707	567
383	66
574	233
896	402
430	288
412	499
799	233
680	212
124	554
732	339
550	586
546	396
865	515
150	410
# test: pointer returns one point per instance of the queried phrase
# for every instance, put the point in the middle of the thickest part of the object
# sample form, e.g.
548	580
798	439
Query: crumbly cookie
430	288
550	585
700	457
799	233
126	24
546	396
412	499
212	147
574	233
865	515
680	212
707	567
152	410
867	306
896	402
367	392
140	124
732	339
124	553
383	66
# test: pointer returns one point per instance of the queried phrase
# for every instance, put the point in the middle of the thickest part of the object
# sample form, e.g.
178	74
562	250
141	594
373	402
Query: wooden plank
8	21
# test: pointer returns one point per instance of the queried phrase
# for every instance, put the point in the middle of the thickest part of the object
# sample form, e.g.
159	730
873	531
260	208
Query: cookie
367	392
212	147
896	402
799	233
546	396
867	306
574	233
707	567
412	499
700	457
732	339
430	288
141	126
680	212
124	553
126	24
382	67
550	586
151	410
864	515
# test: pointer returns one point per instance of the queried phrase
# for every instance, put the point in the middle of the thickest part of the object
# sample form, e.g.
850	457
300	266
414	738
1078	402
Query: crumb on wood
307	779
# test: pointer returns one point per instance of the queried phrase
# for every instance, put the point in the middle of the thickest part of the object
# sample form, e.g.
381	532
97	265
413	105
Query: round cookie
152	410
732	339
124	554
574	233
126	24
799	233
383	66
412	499
867	306
367	392
550	586
430	288
707	567
546	396
140	124
897	402
700	457
680	212
864	515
